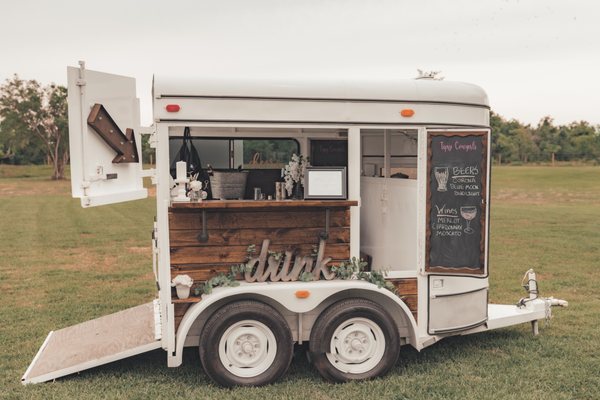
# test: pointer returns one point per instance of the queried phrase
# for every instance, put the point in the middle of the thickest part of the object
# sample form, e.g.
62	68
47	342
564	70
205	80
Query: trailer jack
530	284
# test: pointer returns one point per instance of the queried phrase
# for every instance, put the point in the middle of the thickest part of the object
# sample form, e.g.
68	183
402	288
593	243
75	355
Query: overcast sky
534	58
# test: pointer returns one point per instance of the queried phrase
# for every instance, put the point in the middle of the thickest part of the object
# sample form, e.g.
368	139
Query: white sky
534	58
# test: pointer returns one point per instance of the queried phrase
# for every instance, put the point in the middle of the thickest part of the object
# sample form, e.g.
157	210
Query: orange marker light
302	294
173	107
407	112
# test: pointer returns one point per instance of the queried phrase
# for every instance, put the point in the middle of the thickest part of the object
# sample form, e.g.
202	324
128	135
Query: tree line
34	130
513	141
34	124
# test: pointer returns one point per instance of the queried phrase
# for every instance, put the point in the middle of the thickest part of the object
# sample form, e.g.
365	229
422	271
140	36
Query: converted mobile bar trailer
399	176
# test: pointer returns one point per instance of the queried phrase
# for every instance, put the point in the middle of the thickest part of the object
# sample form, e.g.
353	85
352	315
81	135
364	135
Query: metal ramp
96	342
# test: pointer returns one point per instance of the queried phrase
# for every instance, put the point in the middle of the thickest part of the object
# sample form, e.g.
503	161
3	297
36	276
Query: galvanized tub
228	184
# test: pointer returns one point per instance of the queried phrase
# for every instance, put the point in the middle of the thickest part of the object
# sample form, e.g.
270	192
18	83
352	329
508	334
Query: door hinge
157	320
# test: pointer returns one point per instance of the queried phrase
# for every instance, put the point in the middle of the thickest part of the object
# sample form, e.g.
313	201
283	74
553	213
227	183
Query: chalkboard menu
329	153
456	201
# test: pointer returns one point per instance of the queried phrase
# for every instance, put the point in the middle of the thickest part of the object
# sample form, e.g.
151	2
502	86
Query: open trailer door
104	140
457	212
106	168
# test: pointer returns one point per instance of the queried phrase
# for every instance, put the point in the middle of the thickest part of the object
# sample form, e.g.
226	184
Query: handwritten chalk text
458	146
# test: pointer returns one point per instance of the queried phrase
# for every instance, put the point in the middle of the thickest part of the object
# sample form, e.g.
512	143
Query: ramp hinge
157	320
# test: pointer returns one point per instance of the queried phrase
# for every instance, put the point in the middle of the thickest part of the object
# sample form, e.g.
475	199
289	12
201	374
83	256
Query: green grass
61	265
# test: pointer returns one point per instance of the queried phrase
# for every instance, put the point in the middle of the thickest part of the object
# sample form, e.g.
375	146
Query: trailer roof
406	90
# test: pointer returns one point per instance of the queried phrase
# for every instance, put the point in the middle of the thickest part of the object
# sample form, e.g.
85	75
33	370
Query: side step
96	342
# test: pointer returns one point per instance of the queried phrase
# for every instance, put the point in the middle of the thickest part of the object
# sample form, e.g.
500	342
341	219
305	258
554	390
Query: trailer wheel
246	343
354	339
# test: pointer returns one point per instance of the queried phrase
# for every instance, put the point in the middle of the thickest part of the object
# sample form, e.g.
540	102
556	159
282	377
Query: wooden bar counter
234	225
254	204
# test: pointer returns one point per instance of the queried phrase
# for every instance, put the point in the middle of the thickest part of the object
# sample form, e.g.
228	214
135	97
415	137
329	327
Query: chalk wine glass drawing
441	176
468	213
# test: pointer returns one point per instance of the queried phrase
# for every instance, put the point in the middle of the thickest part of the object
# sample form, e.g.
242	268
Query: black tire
245	336
352	320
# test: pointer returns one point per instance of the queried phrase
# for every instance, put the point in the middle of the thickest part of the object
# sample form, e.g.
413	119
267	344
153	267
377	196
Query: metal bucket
228	184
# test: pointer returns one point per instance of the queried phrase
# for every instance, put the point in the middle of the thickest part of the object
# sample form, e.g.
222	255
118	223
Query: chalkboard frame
472	270
316	146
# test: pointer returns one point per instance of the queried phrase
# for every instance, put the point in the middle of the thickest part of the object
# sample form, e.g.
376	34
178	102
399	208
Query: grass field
61	265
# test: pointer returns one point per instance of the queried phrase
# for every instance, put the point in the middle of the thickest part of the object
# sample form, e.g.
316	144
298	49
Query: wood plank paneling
238	254
241	237
406	286
263	204
408	290
203	272
411	302
180	310
232	230
228	219
199	272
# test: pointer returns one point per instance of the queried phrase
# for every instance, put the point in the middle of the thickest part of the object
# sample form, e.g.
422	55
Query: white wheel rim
357	346
247	348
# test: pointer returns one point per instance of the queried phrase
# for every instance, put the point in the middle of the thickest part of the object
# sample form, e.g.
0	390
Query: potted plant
182	284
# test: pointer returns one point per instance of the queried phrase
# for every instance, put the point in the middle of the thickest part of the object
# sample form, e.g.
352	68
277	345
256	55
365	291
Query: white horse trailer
404	184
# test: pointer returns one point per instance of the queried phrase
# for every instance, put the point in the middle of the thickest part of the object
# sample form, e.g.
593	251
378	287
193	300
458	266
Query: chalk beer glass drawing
441	176
468	213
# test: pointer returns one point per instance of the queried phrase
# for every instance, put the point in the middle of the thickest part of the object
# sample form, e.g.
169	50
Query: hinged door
457	180
457	214
104	140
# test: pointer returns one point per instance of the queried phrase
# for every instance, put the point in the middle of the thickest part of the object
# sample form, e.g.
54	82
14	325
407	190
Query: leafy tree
527	148
512	141
585	140
547	137
506	148
507	137
34	117
17	145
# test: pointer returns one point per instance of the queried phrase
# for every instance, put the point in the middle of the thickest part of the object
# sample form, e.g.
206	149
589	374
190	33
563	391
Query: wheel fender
284	293
391	304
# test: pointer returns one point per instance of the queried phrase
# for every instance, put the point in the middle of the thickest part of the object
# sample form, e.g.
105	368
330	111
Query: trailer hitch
530	284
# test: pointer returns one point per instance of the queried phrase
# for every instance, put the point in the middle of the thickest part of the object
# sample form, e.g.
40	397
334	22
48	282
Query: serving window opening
262	153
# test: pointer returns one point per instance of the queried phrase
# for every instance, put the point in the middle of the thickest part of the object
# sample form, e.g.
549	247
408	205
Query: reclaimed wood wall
231	231
407	290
